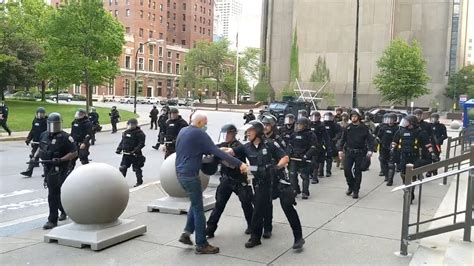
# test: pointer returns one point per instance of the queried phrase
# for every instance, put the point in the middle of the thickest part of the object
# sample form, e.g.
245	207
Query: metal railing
456	146
409	187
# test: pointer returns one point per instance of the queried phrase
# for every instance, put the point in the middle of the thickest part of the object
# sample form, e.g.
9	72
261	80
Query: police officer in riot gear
410	140
249	116
94	118
281	186
164	116
38	126
334	131
385	134
368	117
356	143
133	141
174	124
302	113
288	127
338	116
4	118
231	180
114	118
57	150
154	117
265	158
439	135
81	132
318	128
301	148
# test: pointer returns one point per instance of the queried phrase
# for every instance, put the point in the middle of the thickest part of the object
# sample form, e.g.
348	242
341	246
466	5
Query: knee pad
122	168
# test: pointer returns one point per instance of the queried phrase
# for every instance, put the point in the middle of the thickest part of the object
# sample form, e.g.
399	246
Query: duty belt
354	150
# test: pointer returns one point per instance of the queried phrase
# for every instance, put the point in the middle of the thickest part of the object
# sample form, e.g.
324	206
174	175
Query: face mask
204	128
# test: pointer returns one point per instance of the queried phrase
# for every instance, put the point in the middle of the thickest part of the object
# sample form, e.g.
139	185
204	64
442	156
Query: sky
249	26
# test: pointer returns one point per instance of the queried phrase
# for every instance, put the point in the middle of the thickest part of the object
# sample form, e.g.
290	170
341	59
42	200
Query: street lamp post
356	50
136	83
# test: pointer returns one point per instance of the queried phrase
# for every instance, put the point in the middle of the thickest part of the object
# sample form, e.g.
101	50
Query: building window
160	51
94	90
140	32
160	66
195	7
140	48
174	40
154	16
161	7
116	2
174	26
169	54
184	27
128	62
141	13
77	88
161	35
209	32
168	14
126	90
151	49
127	2
149	3
116	13
111	90
110	2
209	11
195	28
141	2
154	4
127	13
151	65
177	69
174	5
140	63
161	19
184	17
174	16
149	15
184	6
150	34
195	17
168	3
168	68
183	42
177	56
127	29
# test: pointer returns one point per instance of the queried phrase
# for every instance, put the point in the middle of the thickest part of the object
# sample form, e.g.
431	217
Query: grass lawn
21	113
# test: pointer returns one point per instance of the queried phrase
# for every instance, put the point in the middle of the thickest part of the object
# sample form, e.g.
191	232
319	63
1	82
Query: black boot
299	243
355	194
349	191
252	243
28	172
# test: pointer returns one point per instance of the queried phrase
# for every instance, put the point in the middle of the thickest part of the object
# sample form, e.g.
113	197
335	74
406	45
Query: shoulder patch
71	139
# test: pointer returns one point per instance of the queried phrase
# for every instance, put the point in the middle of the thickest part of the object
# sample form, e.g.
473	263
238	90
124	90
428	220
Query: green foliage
22	113
249	63
402	74
228	86
321	72
461	82
262	91
85	45
294	63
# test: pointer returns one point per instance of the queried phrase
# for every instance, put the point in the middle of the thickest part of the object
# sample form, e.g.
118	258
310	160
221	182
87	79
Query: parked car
62	97
378	113
23	95
173	101
152	100
185	102
127	99
164	101
142	100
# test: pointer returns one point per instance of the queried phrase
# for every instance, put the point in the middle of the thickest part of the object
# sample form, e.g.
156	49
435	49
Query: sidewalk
142	120
337	229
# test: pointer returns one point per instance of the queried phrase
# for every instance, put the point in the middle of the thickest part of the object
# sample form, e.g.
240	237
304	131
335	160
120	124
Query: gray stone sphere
169	179
455	124
95	193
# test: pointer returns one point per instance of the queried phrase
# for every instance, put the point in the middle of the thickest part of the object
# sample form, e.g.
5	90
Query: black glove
118	151
434	157
27	142
45	184
56	161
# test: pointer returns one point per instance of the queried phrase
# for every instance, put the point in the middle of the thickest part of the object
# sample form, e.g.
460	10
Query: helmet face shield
387	120
173	116
288	121
299	127
226	136
315	118
53	127
328	117
404	123
40	115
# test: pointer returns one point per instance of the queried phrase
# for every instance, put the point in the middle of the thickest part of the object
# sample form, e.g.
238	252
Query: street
25	199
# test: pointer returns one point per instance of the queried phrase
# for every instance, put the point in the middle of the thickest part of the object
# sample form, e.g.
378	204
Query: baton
300	160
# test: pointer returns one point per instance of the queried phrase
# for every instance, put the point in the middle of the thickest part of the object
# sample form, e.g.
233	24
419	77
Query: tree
86	42
461	82
402	74
249	63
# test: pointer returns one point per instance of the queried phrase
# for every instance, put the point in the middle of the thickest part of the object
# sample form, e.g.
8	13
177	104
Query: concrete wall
327	28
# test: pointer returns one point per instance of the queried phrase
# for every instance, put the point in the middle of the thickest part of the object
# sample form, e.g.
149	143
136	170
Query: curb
65	129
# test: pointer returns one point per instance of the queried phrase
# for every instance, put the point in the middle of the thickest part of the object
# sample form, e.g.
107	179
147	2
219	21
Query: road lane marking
16	193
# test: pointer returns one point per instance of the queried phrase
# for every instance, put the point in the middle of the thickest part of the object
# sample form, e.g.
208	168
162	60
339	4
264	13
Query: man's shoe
349	192
206	249
248	231
355	194
62	217
185	239
428	174
389	183
381	173
209	233
138	184
49	225
304	196
314	181
267	235
299	244
328	174
27	173
155	147
252	243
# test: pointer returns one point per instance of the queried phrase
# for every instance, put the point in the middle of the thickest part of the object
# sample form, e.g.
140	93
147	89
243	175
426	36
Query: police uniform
282	189
172	128
321	133
261	159
131	145
356	141
385	135
301	148
154	118
54	146
81	132
4	118
38	126
334	130
114	119
286	131
439	135
94	118
231	181
249	117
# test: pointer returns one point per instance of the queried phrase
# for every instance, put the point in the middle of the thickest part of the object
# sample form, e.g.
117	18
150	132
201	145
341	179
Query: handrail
436	177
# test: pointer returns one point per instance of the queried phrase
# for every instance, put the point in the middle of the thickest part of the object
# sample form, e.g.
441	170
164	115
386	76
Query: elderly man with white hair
192	143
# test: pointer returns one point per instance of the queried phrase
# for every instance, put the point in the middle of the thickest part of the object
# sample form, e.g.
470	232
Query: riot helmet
54	123
409	120
301	124
328	116
289	119
389	119
174	113
355	114
253	130
228	133
80	113
132	123
418	113
114	107
315	116
302	113
434	118
338	110
40	113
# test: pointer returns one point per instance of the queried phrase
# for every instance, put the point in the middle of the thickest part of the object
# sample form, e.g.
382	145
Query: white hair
198	116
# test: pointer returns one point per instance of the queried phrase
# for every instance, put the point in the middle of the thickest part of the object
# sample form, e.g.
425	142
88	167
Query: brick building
162	31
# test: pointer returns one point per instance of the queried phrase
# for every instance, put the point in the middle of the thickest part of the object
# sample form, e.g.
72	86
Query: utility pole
356	50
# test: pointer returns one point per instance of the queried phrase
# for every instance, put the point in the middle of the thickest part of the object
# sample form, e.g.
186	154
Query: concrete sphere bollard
455	125
169	179
94	193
